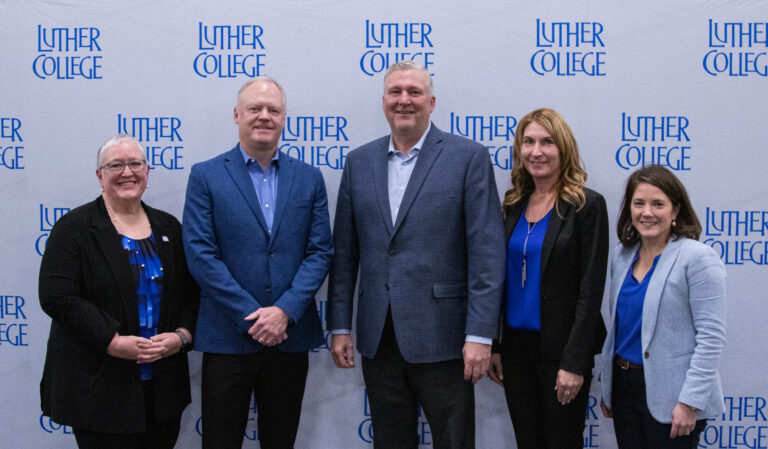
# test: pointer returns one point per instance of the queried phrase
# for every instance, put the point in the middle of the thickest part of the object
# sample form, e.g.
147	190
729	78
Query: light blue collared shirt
399	170
264	183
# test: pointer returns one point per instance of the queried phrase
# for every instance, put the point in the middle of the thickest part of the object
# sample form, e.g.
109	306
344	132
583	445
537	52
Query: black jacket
87	287
574	257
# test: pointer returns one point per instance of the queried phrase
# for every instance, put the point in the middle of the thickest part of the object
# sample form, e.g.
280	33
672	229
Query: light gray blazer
683	329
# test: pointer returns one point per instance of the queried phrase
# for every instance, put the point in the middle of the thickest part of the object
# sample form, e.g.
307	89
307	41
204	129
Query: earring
674	223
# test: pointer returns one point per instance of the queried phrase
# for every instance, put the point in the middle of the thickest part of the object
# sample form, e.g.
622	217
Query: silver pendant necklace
525	251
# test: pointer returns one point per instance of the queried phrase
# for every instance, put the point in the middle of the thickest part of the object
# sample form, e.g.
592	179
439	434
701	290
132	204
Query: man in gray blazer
418	213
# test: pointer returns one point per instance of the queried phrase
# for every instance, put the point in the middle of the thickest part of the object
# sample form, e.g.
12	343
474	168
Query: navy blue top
148	270
524	301
629	314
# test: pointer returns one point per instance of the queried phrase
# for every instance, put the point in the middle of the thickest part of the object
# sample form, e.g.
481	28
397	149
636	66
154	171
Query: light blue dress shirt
399	170
264	183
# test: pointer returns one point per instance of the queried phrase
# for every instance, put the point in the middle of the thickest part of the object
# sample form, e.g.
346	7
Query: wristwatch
186	345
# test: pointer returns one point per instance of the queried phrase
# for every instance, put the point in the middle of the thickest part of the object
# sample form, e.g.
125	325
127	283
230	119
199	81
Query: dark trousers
539	420
159	435
635	427
276	379
396	388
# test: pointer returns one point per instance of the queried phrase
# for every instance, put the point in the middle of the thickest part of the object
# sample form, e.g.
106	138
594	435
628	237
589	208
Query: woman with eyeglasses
114	281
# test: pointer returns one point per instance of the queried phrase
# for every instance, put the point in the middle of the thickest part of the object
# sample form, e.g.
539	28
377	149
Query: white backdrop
680	83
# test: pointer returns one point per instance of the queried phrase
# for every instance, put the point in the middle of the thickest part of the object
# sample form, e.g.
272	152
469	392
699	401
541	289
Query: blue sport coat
240	266
440	268
683	328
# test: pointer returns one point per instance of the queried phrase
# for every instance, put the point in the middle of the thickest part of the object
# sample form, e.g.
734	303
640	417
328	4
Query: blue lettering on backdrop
737	236
752	36
229	51
592	424
161	130
302	133
391	42
49	426
48	217
10	153
13	326
496	132
732	432
67	53
638	131
557	42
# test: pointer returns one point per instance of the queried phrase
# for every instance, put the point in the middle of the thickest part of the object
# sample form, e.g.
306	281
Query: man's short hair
409	65
267	79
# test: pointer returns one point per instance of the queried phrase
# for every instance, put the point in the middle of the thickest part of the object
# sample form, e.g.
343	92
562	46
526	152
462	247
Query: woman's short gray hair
114	140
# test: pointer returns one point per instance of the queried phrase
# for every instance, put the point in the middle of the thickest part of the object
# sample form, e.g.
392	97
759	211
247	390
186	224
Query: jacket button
268	289
391	252
271	254
386	286
646	355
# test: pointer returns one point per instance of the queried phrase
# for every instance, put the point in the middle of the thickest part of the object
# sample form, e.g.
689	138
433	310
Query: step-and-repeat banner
683	84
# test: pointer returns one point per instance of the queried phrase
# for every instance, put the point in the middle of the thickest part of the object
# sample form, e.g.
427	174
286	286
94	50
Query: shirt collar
247	158
416	147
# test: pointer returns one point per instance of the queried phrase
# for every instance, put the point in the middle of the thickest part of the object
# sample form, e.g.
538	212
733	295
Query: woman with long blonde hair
557	249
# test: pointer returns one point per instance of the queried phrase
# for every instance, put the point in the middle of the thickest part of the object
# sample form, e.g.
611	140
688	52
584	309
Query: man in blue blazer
258	241
418	213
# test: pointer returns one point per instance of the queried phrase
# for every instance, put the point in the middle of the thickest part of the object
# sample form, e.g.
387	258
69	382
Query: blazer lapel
110	244
513	214
239	173
427	156
623	264
627	255
655	288
555	223
285	178
165	252
380	180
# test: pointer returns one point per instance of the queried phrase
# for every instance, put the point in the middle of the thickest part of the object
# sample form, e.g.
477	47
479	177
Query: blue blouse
148	270
524	250
629	314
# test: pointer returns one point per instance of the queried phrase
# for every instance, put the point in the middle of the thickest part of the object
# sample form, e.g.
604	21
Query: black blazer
574	257
88	289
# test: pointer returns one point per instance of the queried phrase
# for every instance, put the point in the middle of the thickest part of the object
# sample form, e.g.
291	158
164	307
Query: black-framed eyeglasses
119	166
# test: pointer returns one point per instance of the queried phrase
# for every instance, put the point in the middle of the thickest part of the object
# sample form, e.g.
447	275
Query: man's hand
477	359
269	325
343	350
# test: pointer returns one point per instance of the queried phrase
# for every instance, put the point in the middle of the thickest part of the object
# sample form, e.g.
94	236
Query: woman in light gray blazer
666	326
